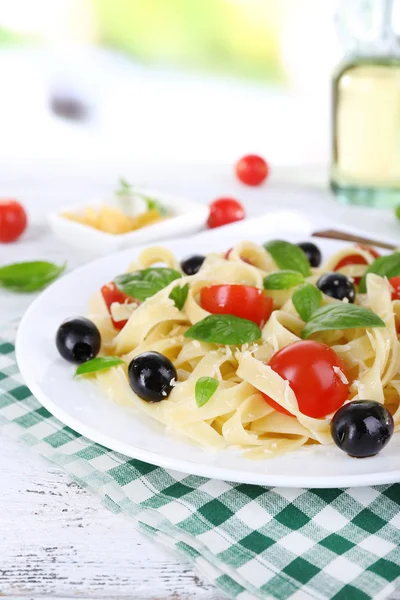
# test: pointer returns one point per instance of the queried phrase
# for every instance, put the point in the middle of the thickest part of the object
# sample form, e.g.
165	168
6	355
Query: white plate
187	217
82	406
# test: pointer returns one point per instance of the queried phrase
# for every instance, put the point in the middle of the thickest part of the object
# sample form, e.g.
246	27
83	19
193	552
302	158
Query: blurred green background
146	77
239	38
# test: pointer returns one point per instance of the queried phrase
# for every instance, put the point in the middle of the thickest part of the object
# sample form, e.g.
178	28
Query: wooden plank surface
57	541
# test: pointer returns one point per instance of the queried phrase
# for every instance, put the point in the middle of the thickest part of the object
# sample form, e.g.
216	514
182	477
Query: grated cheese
122	312
341	375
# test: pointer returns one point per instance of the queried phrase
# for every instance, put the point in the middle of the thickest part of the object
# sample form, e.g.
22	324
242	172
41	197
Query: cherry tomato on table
252	169
224	211
244	301
13	220
112	294
312	370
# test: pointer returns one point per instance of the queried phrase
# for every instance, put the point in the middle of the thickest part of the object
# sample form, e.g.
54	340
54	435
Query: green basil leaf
385	266
145	283
224	329
29	276
283	280
126	190
341	316
288	256
179	295
306	299
153	204
101	363
205	388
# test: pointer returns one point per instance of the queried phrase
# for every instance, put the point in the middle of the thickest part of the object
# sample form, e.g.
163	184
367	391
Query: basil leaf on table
101	363
205	388
341	316
224	329
147	282
179	295
288	256
29	276
307	299
283	280
385	266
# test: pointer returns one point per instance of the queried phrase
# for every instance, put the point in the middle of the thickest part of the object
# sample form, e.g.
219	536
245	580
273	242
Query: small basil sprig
288	256
385	266
126	190
29	276
283	280
341	316
101	363
205	388
145	283
224	329
153	204
179	295
307	299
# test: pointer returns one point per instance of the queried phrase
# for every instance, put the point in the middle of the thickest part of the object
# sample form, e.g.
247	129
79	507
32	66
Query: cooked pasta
237	413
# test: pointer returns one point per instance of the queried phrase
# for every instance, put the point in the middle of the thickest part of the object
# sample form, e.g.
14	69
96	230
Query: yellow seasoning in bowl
112	220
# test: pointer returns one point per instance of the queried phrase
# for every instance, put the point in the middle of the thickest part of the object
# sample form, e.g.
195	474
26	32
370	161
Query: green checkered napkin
250	541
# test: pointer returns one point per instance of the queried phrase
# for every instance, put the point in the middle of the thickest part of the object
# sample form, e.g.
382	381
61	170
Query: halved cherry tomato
243	259
369	249
312	370
13	220
224	211
112	294
395	283
252	169
244	301
356	259
352	259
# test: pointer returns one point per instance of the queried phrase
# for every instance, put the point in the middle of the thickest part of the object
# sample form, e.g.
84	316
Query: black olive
192	264
312	252
337	285
152	376
362	428
78	340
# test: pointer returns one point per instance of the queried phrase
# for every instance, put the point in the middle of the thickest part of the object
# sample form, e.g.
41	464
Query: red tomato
252	169
352	259
369	249
111	294
224	211
395	283
243	259
356	259
243	301
310	368
13	220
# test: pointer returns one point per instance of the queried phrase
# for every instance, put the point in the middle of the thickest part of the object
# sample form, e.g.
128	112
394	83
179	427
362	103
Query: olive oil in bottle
366	122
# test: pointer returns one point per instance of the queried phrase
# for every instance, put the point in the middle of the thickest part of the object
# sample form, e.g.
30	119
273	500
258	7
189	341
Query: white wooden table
56	540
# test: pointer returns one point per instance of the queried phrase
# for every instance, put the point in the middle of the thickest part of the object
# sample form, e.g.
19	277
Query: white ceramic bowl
188	217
